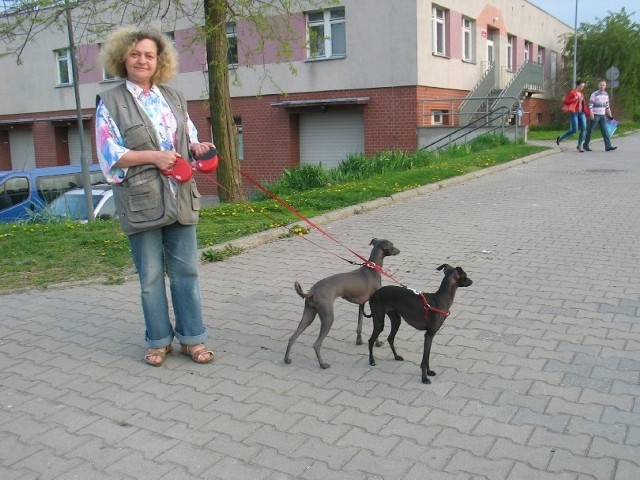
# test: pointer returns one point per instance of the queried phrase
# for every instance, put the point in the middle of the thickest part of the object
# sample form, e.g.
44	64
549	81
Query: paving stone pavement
538	364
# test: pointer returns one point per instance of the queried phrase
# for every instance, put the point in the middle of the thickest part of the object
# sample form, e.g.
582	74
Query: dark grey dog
423	311
355	287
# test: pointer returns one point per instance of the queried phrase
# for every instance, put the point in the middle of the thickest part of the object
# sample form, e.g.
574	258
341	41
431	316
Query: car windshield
72	206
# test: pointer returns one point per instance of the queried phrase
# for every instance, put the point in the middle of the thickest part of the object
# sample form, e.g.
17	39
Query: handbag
610	126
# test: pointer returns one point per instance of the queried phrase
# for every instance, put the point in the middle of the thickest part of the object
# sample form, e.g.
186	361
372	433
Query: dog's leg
428	340
326	322
359	329
378	326
308	315
379	342
395	325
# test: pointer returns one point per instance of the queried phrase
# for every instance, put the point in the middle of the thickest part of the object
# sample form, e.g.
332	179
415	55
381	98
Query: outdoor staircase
484	97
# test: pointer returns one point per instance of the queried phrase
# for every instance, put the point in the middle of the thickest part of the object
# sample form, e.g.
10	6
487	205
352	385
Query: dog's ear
446	266
464	280
373	241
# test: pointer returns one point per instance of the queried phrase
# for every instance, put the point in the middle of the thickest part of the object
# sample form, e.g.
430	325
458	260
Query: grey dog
355	286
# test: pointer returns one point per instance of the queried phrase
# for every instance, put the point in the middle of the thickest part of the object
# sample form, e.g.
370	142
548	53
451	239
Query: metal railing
485	122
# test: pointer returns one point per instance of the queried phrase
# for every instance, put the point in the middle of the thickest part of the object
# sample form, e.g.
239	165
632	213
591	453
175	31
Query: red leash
272	195
282	202
428	308
276	221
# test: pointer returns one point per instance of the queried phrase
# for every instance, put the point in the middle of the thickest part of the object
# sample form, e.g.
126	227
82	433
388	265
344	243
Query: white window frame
527	51
439	26
541	53
331	42
510	50
437	117
468	47
105	76
240	138
232	41
63	62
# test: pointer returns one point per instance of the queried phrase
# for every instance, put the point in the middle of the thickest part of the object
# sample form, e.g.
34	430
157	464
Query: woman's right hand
165	160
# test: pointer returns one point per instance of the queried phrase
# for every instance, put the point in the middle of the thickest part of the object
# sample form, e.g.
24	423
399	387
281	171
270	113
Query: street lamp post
575	46
84	161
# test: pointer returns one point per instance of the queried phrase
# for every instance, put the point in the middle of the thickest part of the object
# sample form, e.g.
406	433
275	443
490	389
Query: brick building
369	78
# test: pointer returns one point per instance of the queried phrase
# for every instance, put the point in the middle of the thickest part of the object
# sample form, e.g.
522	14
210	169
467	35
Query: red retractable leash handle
207	162
182	171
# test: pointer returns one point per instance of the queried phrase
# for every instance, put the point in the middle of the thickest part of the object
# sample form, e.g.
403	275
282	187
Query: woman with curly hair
142	131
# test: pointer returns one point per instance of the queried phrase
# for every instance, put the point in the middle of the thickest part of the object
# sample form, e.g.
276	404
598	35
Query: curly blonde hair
120	44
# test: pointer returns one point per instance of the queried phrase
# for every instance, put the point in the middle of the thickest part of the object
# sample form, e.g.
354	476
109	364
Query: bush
357	166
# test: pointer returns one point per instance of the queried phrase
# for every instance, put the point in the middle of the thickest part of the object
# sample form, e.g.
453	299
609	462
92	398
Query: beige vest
143	199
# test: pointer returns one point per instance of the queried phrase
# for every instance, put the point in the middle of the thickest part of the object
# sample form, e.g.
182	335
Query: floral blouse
110	142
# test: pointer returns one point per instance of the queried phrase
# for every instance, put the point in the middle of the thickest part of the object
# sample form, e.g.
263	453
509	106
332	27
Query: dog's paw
431	373
426	380
399	358
287	360
324	366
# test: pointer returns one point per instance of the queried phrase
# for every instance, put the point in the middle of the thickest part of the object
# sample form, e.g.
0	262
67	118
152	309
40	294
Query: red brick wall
45	144
535	108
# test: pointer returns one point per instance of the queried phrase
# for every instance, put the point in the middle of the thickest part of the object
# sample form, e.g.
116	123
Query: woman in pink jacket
576	104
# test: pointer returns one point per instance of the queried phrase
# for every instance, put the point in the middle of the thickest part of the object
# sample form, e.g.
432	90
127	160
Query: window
541	53
13	192
326	32
438	117
439	31
467	40
527	51
232	40
510	50
51	187
63	61
105	76
240	138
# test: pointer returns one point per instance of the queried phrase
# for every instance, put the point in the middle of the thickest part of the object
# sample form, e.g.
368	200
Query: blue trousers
577	121
172	250
601	121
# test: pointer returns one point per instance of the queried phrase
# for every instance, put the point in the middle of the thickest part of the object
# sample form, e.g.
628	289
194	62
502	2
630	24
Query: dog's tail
300	291
365	313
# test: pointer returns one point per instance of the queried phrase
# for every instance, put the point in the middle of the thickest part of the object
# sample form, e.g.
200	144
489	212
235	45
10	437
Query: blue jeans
577	121
171	249
601	121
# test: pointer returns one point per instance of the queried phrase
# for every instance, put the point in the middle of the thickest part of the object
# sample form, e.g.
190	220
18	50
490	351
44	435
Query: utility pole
575	47
84	161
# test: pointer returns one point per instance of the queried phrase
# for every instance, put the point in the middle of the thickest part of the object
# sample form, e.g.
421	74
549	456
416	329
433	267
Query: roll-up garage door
23	153
328	137
74	144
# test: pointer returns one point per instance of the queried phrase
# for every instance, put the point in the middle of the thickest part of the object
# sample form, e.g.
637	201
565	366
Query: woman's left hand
200	148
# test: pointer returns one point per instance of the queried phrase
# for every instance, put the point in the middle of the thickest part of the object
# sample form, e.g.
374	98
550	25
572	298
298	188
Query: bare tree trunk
222	123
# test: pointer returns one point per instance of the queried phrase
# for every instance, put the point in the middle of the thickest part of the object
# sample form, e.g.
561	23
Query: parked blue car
24	191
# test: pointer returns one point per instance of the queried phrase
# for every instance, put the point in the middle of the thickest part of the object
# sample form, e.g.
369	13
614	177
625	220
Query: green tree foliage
611	41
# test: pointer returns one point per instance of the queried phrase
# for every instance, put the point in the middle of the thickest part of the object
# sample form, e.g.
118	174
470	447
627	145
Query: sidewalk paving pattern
538	365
